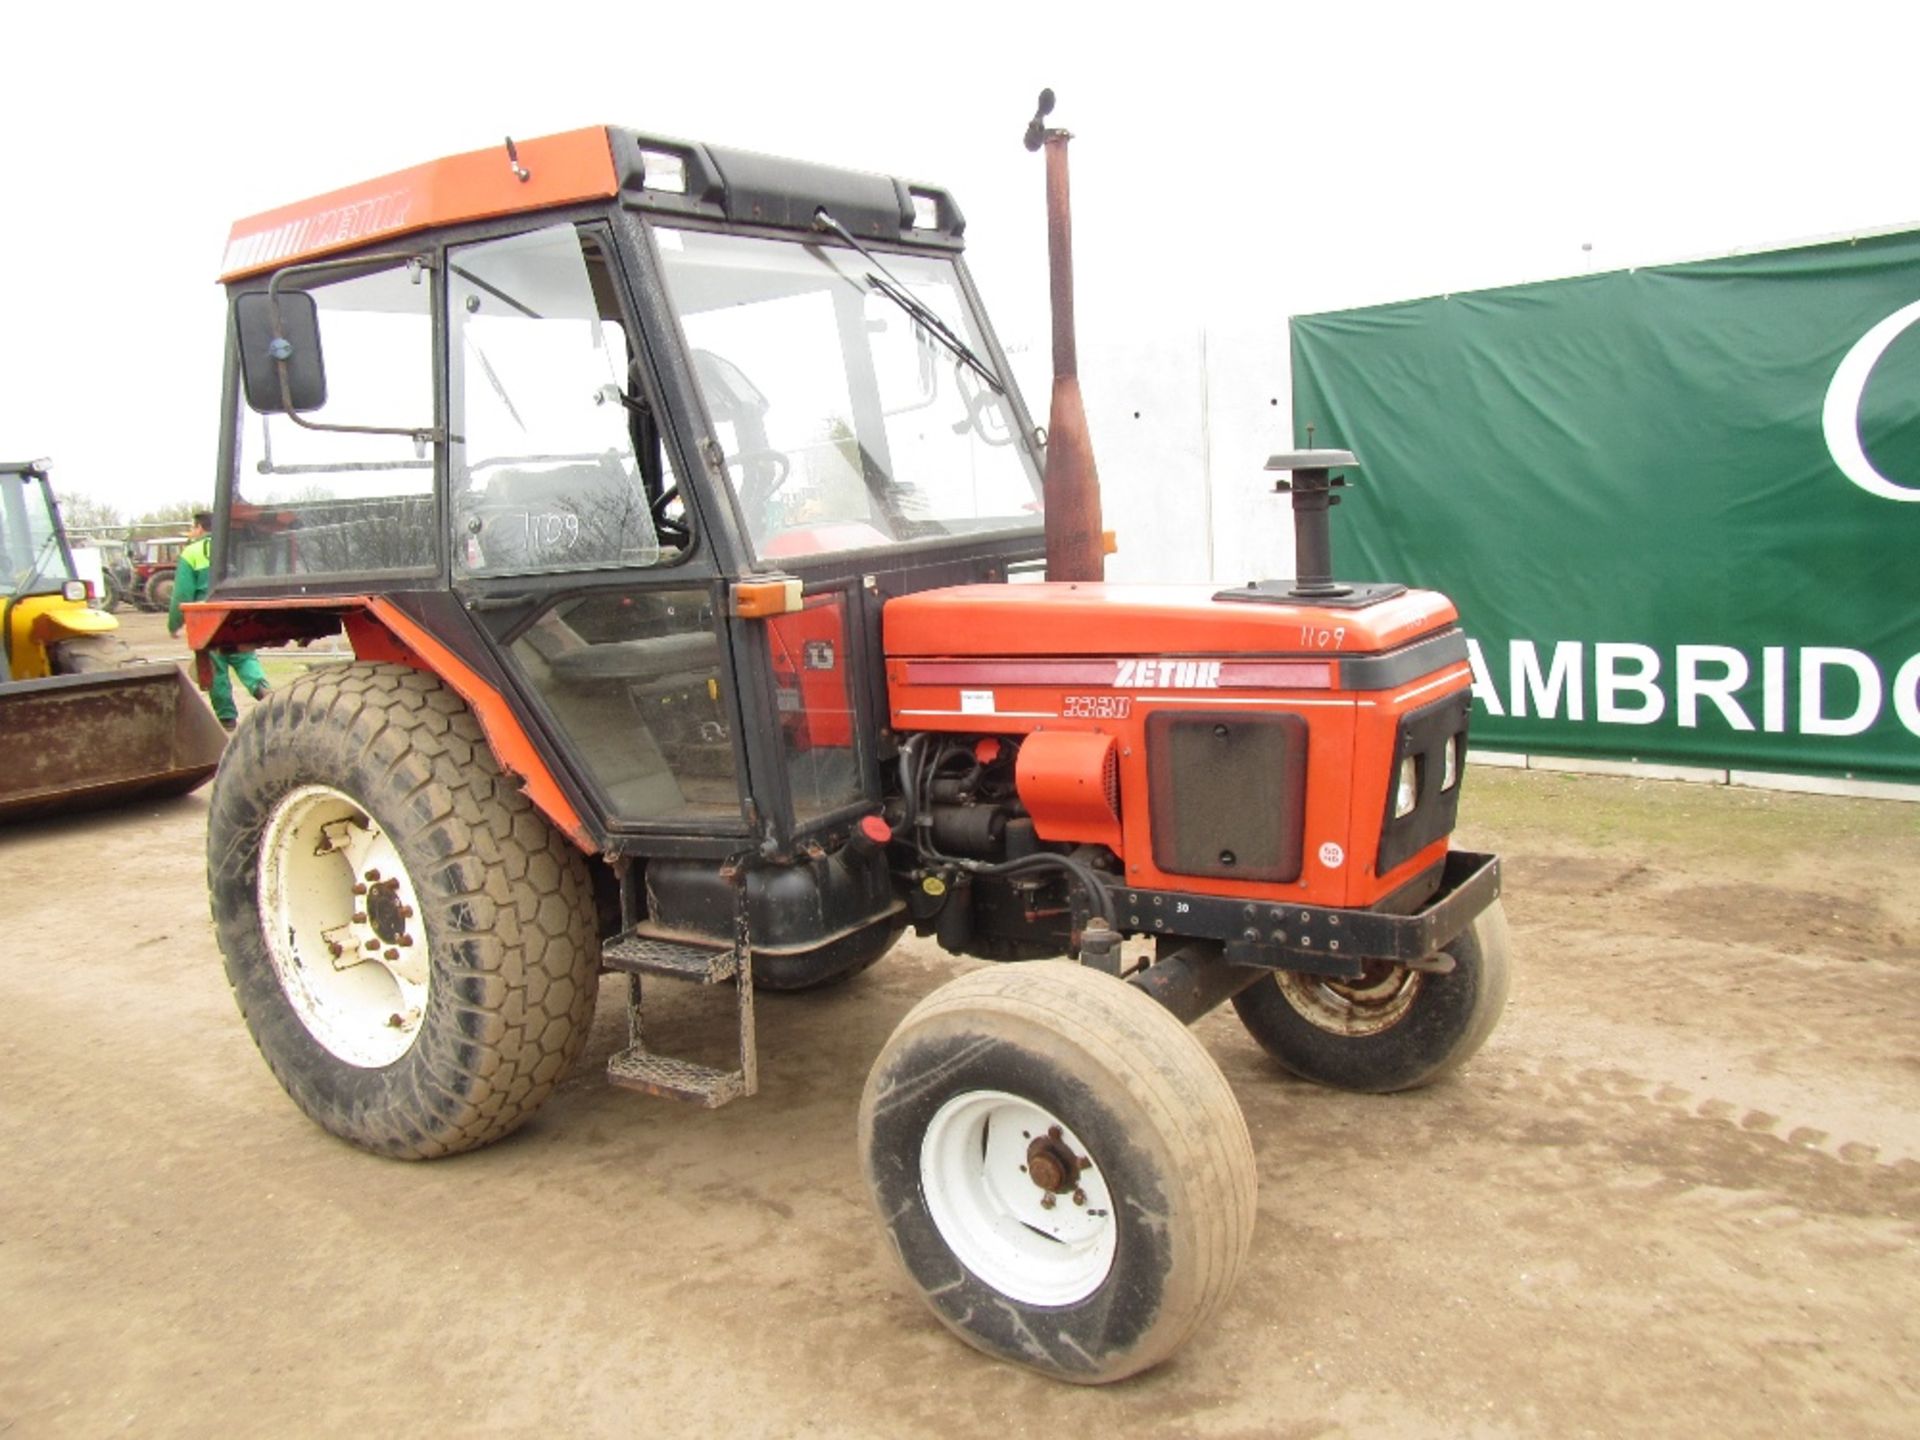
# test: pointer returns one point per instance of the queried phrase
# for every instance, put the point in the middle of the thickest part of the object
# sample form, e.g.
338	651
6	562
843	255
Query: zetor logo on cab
1171	674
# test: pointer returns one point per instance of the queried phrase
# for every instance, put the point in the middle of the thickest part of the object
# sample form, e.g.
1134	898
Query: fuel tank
1260	746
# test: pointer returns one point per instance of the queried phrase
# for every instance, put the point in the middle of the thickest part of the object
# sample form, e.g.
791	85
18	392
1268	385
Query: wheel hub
1051	1165
387	914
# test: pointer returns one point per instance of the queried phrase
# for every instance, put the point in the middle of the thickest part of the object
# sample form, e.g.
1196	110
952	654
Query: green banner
1678	507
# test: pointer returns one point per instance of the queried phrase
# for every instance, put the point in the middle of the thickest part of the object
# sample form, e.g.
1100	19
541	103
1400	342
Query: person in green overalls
190	583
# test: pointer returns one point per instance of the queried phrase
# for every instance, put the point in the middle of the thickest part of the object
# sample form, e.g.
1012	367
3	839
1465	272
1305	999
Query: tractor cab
648	451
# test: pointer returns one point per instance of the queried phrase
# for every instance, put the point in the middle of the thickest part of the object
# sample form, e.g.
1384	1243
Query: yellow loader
81	722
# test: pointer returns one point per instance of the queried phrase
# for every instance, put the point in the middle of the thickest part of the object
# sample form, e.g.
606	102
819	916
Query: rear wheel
1390	1028
160	591
1060	1167
412	944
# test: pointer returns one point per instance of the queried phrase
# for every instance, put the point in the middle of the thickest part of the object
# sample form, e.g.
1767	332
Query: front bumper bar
1313	938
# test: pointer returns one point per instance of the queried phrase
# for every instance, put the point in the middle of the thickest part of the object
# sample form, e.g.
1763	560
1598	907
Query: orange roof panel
561	170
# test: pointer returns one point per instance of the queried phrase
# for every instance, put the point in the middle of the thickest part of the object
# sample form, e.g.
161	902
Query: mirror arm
282	350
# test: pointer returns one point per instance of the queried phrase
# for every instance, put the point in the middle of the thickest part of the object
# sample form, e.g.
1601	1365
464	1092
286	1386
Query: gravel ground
1676	1194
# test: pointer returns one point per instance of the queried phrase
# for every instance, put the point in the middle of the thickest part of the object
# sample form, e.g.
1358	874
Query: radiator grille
1228	792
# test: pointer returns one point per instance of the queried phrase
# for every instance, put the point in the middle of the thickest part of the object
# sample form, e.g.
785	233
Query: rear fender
379	631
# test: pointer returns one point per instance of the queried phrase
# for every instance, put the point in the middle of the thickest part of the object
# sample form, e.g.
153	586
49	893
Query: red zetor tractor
668	496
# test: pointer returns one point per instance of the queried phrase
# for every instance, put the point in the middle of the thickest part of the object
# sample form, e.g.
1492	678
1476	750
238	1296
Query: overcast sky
1234	164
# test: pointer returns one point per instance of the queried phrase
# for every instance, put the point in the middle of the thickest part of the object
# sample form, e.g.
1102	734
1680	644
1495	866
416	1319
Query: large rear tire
1060	1167
411	943
1392	1028
159	590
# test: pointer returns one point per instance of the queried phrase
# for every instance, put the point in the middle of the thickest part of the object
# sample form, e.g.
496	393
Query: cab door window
633	679
557	461
316	502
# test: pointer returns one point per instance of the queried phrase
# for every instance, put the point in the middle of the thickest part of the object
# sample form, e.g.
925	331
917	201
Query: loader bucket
75	742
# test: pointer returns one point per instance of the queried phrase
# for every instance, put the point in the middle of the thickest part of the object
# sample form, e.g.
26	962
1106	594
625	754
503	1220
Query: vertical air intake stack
1312	486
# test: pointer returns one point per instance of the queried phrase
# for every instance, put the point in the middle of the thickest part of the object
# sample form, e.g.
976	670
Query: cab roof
669	177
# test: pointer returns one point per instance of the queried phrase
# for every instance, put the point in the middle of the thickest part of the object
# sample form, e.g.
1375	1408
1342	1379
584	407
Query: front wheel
1060	1167
1390	1028
90	655
411	943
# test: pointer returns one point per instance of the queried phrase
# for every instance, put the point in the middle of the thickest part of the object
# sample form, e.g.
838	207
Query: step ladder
640	956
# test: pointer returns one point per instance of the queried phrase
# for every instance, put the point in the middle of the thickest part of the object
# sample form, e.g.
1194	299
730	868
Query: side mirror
296	351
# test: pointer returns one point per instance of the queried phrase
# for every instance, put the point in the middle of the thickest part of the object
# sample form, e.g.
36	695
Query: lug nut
359	917
359	889
392	954
373	944
406	940
373	875
1079	1197
1046	1201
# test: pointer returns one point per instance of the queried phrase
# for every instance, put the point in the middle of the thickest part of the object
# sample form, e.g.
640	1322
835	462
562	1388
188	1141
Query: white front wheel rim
1033	1244
340	919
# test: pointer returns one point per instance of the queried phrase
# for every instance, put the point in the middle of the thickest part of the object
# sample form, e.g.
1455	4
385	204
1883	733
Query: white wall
1183	418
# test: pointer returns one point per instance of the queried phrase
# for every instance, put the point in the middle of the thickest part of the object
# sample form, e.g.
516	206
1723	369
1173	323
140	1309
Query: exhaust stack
1076	545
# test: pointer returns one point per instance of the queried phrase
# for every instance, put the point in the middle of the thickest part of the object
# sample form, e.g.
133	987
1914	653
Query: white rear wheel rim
993	1215
353	965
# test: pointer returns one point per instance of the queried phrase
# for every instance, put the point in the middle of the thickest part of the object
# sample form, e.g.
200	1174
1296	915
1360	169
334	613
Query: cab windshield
845	421
32	560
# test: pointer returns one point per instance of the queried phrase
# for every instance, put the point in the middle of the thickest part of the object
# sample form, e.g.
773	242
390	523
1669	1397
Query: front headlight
74	590
1407	791
1450	763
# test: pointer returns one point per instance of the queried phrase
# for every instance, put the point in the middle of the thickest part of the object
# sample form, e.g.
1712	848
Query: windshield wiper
887	285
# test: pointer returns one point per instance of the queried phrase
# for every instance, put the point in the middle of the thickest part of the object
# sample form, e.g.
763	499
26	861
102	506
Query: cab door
573	544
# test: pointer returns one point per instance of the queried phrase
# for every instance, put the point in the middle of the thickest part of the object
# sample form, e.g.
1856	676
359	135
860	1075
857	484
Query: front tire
1392	1028
91	655
410	942
1060	1167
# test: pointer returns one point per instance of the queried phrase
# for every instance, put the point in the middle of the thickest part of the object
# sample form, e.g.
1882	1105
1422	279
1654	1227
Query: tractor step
644	959
697	964
671	1079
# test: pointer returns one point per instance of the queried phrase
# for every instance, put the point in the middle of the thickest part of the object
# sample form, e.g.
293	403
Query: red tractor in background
153	559
669	496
